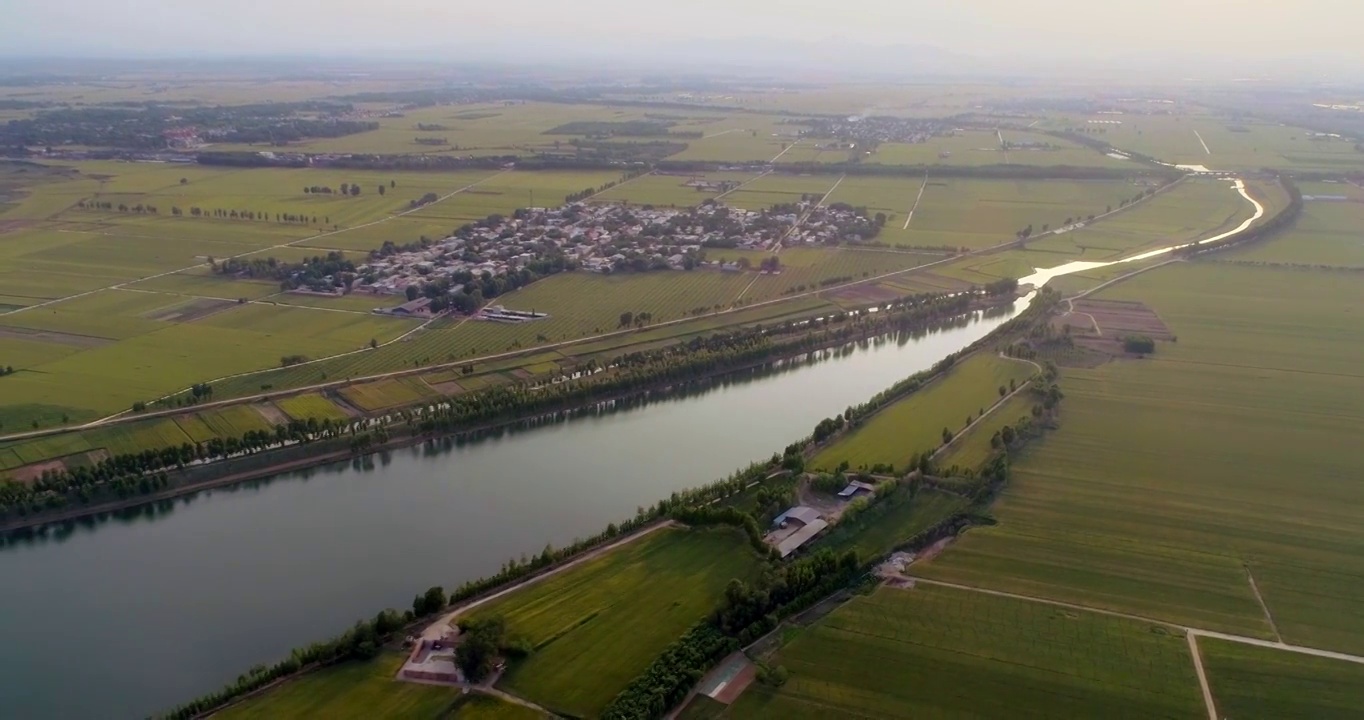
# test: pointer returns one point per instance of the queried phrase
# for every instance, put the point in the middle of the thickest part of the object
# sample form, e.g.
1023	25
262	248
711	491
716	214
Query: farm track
1202	676
991	410
917	199
127	416
1243	639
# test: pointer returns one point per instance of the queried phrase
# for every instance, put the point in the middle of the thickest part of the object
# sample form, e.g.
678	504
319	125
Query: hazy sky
993	28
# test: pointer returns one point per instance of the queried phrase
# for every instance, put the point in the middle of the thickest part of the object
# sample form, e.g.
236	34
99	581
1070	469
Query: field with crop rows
383	394
938	652
1227	452
913	424
350	690
310	405
596	626
776	189
1257	683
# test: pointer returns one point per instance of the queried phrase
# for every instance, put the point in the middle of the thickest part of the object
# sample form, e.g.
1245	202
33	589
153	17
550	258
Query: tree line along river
130	616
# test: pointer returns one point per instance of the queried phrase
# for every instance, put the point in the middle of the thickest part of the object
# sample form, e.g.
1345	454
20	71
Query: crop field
973	449
310	405
1327	233
1241	144
915	423
350	690
383	394
776	189
745	138
485	707
938	652
973	214
1193	210
668	190
582	304
903	516
835	265
506	191
234	420
596	626
1225	456
1257	683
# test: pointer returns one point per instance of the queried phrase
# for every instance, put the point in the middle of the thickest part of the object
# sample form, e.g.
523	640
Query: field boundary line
1214	634
777	245
917	199
291	243
1269	616
1202	676
783	152
1202	142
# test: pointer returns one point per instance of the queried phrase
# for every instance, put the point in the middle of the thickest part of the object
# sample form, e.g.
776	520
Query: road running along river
130	617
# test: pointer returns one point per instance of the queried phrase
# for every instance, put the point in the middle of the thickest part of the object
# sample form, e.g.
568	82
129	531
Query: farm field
310	405
893	520
778	189
1257	683
1193	210
973	213
972	449
914	424
982	147
1223	457
596	626
938	652
1327	232
1241	144
350	690
382	394
668	190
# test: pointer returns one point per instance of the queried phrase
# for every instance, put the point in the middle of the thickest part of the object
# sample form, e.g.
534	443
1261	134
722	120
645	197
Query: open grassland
596	626
356	690
1227	455
935	652
974	214
914	424
1257	683
893	520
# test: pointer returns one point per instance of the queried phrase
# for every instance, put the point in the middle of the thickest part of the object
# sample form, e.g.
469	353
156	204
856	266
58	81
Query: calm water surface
133	616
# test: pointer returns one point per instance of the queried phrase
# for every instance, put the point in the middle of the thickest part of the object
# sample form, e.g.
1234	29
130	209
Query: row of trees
323	273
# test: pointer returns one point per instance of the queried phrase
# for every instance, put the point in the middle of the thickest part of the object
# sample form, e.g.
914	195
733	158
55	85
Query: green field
891	521
1327	233
972	449
1228	454
598	625
1256	683
310	405
914	424
358	690
934	652
982	147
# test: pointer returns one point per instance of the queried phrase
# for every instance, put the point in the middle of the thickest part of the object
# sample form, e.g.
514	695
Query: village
606	239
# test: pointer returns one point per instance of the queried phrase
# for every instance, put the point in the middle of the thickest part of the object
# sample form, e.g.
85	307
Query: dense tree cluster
321	273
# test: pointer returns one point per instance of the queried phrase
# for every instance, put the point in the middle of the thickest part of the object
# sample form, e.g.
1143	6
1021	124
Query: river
127	617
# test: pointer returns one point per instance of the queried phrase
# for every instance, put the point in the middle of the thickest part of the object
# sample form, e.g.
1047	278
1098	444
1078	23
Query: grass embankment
358	690
915	423
597	626
1232	450
1256	683
939	652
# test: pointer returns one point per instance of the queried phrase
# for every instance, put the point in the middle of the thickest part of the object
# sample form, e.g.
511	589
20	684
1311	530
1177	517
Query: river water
128	617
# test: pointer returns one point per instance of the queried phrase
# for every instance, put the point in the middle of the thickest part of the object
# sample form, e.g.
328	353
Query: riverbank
245	468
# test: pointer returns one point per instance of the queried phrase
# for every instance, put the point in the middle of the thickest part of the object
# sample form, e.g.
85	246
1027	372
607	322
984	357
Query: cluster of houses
608	239
864	130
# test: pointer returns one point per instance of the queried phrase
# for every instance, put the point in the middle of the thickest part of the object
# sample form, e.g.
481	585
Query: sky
1003	31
